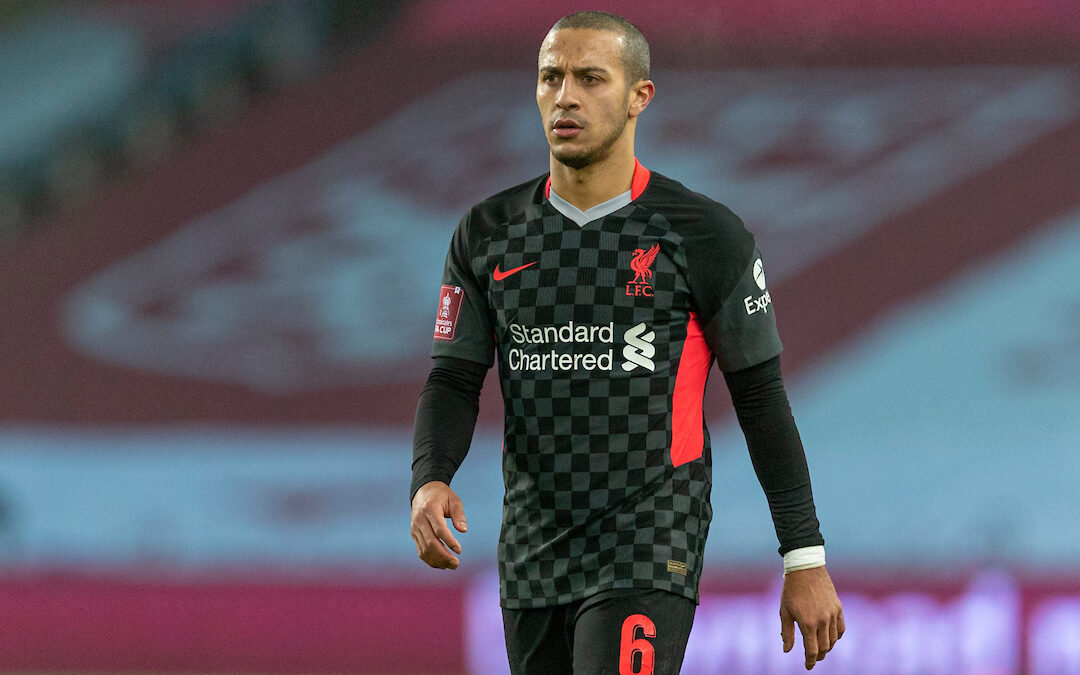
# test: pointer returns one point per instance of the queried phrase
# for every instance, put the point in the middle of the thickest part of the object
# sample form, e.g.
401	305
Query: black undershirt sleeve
776	451
445	419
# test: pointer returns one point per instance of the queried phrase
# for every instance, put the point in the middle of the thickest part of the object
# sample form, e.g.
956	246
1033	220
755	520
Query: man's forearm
445	419
776	451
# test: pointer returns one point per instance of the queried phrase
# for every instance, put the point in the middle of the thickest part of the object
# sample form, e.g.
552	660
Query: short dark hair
635	55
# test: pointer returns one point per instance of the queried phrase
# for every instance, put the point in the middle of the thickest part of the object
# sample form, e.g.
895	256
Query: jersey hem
567	598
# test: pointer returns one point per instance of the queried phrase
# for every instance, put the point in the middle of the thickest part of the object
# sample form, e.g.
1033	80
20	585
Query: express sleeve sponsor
743	331
462	325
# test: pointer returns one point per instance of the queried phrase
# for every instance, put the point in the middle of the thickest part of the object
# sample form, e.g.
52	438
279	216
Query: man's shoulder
689	212
510	203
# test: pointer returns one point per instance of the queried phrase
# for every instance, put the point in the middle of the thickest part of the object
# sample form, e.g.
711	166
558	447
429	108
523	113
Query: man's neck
593	184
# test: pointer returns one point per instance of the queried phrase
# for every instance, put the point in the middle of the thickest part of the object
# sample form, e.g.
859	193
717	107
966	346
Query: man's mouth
566	128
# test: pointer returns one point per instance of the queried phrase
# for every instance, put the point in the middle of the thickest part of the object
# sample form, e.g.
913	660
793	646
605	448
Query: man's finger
834	631
430	549
840	627
787	630
442	560
457	515
438	525
823	643
810	646
437	553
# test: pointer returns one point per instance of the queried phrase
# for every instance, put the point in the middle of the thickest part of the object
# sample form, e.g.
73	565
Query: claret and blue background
222	228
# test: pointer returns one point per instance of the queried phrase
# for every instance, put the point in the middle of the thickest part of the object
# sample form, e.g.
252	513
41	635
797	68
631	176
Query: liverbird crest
641	262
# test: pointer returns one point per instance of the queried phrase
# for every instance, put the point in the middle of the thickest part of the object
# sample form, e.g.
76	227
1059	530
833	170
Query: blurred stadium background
222	226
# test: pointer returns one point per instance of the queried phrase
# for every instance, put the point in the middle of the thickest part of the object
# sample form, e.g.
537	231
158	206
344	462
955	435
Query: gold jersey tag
676	567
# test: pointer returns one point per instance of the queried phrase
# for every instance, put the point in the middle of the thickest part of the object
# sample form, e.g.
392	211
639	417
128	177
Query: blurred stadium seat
90	90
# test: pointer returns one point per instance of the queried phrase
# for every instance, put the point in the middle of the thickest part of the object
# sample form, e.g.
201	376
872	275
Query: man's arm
776	451
445	419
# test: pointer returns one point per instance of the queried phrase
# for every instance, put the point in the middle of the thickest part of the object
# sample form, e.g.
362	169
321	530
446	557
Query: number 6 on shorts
631	645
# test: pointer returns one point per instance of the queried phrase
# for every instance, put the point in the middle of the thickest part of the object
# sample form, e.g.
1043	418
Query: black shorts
619	632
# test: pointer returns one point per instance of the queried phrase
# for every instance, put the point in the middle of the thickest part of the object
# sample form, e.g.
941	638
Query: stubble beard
588	156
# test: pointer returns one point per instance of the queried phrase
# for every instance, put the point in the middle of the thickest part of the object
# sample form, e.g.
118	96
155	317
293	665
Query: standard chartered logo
639	348
555	347
532	358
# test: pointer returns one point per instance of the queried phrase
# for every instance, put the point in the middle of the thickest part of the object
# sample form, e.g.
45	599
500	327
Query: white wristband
804	558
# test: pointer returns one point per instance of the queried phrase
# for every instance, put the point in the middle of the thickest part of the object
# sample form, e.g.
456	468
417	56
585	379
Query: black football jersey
605	334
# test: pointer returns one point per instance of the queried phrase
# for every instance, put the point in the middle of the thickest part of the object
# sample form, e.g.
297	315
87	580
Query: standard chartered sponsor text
553	360
518	358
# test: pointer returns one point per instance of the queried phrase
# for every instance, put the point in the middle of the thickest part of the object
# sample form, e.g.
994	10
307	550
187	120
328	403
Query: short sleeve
462	324
742	332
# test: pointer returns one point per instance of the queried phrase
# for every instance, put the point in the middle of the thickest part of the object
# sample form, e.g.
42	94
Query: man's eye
590	79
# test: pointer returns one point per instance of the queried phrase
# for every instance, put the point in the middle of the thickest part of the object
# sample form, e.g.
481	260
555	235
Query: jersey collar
592	213
637	183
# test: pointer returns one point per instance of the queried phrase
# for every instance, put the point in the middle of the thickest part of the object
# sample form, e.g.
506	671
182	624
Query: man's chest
616	271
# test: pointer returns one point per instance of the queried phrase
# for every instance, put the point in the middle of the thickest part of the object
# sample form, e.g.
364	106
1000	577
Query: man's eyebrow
583	70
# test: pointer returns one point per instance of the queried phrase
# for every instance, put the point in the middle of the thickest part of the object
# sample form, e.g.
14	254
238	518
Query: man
607	291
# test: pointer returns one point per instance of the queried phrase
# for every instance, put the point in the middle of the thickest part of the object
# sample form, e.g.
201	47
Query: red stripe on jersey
637	182
687	420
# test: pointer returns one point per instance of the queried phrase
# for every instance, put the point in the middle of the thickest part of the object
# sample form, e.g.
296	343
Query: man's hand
432	504
810	599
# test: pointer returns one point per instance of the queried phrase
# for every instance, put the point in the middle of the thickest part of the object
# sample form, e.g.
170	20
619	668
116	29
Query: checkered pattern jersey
606	457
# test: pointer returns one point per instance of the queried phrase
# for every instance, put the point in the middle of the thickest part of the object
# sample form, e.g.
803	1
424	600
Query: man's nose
567	98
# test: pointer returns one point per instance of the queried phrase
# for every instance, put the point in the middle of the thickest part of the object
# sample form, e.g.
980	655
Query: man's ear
641	94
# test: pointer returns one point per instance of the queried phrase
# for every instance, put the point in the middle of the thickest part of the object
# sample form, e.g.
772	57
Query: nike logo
498	275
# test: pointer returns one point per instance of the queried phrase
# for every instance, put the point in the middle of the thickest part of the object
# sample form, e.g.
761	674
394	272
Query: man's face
582	93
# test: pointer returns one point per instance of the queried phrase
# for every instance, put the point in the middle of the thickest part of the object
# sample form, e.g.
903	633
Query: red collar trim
637	184
640	179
